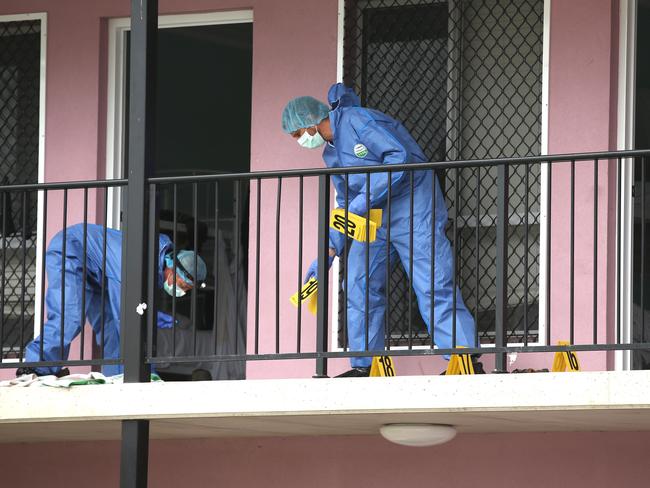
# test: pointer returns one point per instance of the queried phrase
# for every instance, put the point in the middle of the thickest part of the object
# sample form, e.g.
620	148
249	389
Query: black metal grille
465	77
19	146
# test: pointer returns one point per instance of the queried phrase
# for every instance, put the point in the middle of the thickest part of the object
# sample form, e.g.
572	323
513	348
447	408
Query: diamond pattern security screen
19	144
465	77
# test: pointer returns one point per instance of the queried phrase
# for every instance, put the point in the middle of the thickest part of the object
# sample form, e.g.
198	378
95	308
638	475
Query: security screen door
20	83
465	77
203	127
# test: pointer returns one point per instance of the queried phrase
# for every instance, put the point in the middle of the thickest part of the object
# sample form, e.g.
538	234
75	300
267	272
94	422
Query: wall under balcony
597	460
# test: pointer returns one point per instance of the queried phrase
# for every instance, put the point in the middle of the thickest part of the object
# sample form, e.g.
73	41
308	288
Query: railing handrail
253	175
65	185
555	158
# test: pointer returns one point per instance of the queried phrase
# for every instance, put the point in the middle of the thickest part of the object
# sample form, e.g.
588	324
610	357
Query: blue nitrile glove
358	205
312	271
165	321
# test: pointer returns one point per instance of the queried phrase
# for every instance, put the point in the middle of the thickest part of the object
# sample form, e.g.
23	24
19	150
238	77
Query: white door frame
42	17
625	140
116	87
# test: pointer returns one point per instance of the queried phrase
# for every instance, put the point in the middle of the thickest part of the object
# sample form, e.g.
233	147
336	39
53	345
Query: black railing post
323	273
144	31
502	267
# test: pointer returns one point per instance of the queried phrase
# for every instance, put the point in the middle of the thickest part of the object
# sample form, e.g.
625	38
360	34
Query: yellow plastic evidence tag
565	361
357	224
382	366
308	295
460	364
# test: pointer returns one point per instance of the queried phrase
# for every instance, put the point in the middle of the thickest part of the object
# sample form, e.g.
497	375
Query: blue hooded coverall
363	137
74	321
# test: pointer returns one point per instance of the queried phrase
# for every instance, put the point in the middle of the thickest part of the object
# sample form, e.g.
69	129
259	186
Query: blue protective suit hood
340	95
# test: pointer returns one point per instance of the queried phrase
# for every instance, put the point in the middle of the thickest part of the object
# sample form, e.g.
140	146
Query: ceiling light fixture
418	435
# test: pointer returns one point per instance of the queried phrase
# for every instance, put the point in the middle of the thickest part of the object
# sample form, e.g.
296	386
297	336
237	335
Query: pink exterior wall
597	460
581	118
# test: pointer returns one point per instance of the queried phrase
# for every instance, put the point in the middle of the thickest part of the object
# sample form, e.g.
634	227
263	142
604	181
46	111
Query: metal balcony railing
254	231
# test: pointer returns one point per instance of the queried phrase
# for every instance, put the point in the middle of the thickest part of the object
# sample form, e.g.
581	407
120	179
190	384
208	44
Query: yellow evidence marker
308	295
565	361
460	364
357	224
382	366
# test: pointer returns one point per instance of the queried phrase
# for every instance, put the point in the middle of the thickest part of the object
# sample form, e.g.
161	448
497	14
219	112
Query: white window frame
117	28
625	140
543	251
38	290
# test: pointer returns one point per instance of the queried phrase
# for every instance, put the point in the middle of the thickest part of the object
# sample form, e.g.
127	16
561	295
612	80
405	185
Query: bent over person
357	136
67	318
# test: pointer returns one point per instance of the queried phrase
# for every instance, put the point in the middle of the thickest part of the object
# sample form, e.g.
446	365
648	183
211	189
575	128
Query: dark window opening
203	116
20	53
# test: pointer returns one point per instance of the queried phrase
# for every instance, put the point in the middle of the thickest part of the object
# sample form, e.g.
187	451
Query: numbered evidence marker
460	364
382	366
565	361
357	224
308	295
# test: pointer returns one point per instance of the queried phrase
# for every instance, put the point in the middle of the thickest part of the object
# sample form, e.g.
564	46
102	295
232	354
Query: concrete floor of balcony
540	402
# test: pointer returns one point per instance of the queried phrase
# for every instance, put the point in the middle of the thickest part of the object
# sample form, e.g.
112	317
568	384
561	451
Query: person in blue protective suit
69	313
357	136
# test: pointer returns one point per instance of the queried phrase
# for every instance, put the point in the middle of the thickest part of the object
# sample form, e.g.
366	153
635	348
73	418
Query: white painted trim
334	309
115	88
625	140
42	17
544	255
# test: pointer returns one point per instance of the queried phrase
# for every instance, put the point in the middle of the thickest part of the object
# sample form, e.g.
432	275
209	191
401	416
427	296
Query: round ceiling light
418	435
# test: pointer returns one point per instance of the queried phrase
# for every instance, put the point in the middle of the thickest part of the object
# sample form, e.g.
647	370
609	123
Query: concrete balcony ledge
542	402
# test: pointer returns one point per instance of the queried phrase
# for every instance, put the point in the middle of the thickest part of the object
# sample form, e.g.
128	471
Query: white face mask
309	141
170	290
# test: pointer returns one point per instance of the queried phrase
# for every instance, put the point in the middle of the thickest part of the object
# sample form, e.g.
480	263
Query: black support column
144	31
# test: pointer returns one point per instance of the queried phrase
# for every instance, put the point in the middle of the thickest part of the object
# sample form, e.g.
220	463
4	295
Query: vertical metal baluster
175	250
43	260
277	265
388	331
103	297
477	262
84	273
526	251
432	305
257	265
410	288
63	259
154	274
572	254
549	200
195	288
215	300
595	290
501	266
644	250
237	238
300	227
367	264
619	212
323	274
455	264
346	243
2	282
23	284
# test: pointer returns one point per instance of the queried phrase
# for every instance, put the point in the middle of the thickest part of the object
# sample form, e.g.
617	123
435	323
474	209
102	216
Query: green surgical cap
303	112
